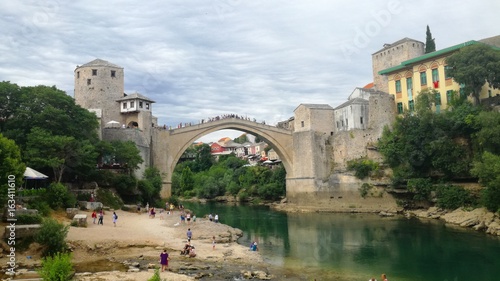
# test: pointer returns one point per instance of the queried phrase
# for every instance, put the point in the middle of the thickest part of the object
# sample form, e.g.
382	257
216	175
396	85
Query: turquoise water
326	246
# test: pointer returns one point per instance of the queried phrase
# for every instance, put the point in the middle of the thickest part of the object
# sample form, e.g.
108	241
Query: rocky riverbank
478	219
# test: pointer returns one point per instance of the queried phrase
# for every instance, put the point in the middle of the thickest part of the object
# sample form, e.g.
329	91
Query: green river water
333	246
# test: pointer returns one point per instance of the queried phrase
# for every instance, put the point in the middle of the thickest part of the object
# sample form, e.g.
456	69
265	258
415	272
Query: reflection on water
359	246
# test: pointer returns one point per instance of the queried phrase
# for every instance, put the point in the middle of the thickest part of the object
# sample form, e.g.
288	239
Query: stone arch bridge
169	145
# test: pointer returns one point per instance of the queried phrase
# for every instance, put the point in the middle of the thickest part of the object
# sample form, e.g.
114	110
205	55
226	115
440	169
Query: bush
490	196
452	197
29	219
156	276
363	189
420	187
58	196
83	197
57	268
108	198
52	236
42	207
362	167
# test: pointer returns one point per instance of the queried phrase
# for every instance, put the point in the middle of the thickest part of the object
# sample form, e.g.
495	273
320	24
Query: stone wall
136	136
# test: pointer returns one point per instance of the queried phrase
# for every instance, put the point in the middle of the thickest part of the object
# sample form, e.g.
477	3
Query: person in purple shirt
164	260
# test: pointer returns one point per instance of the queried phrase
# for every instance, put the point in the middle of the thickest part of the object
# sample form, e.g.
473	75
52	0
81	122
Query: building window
89	81
113	73
132	105
400	108
435	75
438	99
338	125
447	72
411	105
347	123
147	105
302	123
462	91
398	86
409	87
449	96
94	72
423	78
361	120
124	105
78	74
489	93
140	104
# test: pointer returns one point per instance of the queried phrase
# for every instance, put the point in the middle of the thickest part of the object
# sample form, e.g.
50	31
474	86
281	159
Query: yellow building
407	80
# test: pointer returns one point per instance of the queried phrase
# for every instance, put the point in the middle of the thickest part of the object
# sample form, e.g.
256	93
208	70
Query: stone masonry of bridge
314	155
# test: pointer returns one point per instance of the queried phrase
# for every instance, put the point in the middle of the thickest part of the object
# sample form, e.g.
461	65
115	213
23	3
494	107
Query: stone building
99	87
391	55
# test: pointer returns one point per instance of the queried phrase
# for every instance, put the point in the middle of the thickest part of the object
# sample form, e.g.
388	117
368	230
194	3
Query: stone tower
392	55
98	84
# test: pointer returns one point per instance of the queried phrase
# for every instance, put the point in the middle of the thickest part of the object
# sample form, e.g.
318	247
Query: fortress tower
392	55
98	84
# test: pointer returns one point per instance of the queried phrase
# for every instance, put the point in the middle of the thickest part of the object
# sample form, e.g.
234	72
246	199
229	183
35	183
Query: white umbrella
32	174
112	123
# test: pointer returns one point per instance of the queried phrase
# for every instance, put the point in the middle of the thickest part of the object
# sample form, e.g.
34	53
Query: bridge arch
173	143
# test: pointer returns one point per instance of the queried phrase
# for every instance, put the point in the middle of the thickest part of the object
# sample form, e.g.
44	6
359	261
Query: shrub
420	187
29	219
42	207
156	276
57	268
452	196
362	167
58	196
51	235
490	196
83	196
363	189
108	198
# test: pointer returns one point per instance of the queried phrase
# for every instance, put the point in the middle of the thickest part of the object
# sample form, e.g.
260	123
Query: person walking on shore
94	216
213	242
164	260
101	218
189	234
115	218
384	277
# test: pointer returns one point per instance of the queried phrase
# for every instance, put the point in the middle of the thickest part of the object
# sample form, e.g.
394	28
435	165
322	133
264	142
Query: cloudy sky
202	58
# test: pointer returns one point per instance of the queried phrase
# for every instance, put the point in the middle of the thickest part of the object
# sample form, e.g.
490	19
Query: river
338	246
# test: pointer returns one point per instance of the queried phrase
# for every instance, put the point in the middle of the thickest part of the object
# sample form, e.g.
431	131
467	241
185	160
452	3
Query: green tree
44	149
430	44
52	110
11	166
10	98
473	66
204	159
487	169
124	153
487	138
241	139
186	180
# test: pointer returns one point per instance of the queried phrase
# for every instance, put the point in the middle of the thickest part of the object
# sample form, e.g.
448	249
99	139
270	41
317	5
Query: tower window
89	81
78	74
113	73
302	123
361	119
132	105
147	105
124	105
94	72
140	104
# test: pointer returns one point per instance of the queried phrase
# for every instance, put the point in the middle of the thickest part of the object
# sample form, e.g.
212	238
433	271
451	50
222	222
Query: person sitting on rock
186	249
192	253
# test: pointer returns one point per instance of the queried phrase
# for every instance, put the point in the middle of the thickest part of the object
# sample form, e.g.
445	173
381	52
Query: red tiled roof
368	86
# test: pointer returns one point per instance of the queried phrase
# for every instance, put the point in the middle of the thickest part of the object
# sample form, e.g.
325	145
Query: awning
32	174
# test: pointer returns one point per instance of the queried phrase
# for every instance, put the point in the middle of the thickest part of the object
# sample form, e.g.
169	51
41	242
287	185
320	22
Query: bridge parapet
238	123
